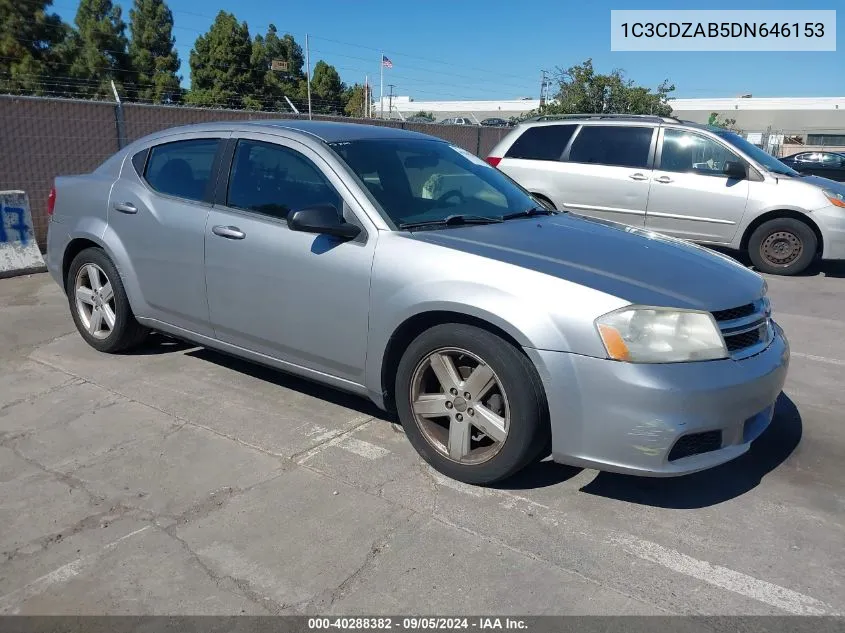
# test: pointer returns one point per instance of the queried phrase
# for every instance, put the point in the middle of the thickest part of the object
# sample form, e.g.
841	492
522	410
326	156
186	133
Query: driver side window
274	180
432	180
684	152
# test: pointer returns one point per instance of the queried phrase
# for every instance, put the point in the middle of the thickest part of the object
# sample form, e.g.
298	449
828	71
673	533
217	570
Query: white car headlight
641	334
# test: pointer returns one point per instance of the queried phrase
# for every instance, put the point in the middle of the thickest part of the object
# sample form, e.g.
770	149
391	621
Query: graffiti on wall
13	226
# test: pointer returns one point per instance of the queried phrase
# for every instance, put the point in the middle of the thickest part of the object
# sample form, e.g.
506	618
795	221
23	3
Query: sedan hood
635	265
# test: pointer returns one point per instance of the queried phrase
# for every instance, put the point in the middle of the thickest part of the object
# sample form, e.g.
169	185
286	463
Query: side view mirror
324	219
735	170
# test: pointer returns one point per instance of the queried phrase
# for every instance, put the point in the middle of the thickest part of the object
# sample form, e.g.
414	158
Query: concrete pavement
180	481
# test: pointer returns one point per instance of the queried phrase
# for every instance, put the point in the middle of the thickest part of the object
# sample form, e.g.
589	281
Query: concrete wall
19	252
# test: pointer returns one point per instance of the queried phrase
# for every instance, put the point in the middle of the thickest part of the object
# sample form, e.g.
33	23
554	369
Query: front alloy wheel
460	405
471	403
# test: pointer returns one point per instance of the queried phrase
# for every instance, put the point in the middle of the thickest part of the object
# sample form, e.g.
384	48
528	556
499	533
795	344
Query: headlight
660	335
835	198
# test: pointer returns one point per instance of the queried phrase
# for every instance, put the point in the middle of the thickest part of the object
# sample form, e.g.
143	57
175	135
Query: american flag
386	62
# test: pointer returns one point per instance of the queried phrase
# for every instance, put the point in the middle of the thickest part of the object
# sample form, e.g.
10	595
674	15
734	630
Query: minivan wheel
99	304
783	246
472	405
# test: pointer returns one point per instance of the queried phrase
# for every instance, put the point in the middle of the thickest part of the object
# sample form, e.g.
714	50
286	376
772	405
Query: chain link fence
41	138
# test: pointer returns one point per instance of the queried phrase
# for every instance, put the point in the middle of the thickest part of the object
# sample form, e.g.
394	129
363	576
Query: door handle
229	232
638	176
663	179
125	207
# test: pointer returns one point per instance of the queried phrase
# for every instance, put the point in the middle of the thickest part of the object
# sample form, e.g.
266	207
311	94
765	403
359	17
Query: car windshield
761	156
419	181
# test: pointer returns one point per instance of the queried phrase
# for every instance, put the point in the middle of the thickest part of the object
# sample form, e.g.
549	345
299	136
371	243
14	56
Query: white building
820	120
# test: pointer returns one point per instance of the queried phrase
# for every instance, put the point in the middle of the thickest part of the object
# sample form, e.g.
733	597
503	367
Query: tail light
494	160
51	201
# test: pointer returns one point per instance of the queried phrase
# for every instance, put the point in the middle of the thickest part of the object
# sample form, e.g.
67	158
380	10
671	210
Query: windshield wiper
451	220
527	213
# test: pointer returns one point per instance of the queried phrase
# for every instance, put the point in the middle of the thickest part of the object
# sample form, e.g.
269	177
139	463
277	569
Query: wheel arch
782	213
415	325
543	197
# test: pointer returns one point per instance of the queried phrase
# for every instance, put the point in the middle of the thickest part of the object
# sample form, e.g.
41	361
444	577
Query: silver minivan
699	183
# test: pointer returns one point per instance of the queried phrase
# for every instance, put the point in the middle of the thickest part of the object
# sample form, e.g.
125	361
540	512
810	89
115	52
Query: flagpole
308	73
366	113
381	96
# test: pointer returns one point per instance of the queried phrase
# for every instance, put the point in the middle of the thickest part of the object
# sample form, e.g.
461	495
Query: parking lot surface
176	480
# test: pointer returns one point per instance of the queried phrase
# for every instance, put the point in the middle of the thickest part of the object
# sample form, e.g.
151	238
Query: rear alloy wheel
99	304
471	404
784	246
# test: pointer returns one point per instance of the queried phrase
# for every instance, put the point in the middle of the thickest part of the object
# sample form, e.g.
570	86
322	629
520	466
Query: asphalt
180	481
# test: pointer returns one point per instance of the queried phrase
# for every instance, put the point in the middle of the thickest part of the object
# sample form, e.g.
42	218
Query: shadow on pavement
716	485
539	475
289	381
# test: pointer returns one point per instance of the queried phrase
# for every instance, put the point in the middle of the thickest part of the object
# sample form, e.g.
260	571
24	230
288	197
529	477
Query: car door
690	195
297	297
157	212
831	166
608	169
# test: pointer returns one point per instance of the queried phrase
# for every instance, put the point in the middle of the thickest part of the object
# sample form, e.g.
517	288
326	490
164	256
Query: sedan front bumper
628	417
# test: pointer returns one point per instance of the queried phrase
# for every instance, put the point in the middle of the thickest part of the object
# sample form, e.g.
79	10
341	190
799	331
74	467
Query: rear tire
783	246
99	305
446	427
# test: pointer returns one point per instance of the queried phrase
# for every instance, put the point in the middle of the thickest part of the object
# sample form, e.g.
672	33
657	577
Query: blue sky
495	50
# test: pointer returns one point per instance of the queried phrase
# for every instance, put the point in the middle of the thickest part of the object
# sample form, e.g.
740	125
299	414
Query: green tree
98	49
221	72
581	90
728	124
30	59
425	115
274	85
354	100
152	52
326	89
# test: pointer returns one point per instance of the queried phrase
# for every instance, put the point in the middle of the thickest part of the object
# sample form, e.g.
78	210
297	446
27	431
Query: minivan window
761	156
684	151
612	145
275	180
541	142
182	168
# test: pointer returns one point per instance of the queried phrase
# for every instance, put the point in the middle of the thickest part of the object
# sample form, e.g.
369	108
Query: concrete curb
19	252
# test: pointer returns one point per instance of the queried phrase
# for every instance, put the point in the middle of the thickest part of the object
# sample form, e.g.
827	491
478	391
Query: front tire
472	404
99	304
783	246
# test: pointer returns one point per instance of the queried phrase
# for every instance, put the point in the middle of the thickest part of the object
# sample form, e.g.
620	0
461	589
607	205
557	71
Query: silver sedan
399	267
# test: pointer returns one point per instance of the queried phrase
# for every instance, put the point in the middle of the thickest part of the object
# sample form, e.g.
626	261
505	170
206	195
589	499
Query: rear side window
542	142
182	168
612	145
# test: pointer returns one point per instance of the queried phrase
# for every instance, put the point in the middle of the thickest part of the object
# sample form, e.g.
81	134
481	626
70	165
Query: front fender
527	324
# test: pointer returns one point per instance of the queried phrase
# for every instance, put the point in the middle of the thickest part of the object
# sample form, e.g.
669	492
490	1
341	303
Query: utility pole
308	73
543	85
390	100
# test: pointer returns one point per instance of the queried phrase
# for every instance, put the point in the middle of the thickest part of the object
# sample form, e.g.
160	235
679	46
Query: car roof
326	131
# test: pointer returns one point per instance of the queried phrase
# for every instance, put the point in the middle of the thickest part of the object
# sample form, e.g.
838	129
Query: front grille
744	327
695	444
734	313
746	339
